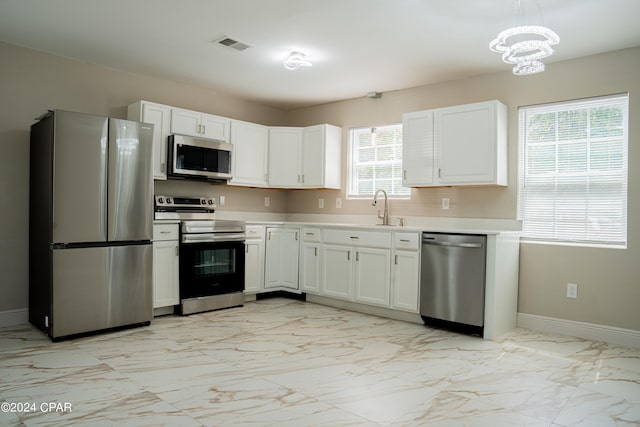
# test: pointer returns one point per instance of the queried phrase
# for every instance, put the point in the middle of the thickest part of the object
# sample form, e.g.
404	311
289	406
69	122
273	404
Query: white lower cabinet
358	273
405	274
281	258
310	254
166	291
254	259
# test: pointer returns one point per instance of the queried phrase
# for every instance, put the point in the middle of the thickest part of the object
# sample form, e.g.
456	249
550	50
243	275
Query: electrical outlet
321	203
338	202
267	202
222	200
445	203
572	290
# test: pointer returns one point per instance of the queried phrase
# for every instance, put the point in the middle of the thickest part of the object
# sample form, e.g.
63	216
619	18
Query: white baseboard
591	331
14	317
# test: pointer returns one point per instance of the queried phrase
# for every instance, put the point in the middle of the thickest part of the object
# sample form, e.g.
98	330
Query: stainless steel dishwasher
452	281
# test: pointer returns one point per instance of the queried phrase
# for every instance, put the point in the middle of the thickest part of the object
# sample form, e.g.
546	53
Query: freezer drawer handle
452	245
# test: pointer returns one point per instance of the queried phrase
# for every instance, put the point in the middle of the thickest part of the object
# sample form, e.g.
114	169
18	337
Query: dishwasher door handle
451	244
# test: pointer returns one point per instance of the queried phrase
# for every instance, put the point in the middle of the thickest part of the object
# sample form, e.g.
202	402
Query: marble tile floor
281	362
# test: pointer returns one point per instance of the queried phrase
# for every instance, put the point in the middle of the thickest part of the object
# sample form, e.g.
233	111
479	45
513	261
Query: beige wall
609	280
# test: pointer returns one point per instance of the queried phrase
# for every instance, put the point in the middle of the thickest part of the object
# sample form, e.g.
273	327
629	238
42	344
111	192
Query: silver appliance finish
91	197
452	280
175	141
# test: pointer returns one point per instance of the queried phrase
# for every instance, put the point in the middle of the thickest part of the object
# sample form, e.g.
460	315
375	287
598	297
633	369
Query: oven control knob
169	200
210	201
203	202
161	200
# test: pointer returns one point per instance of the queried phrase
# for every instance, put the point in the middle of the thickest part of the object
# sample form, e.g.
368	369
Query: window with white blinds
376	161
573	171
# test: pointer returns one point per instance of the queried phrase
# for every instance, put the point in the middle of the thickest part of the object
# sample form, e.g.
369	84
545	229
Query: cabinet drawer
311	234
406	241
254	232
165	232
375	239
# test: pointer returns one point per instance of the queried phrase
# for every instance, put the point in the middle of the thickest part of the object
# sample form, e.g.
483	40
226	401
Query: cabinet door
310	267
165	274
185	122
160	117
313	156
273	258
290	255
406	281
284	157
372	276
337	271
215	127
467	137
254	265
418	149
250	143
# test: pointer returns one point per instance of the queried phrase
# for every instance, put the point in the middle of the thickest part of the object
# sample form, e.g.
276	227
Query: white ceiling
356	46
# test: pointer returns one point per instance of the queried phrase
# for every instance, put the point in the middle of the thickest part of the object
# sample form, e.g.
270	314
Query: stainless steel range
211	254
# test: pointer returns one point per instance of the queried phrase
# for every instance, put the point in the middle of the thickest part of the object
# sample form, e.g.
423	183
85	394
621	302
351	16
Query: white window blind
376	161
573	171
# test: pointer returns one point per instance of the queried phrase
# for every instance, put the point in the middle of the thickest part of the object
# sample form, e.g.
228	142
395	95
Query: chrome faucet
385	216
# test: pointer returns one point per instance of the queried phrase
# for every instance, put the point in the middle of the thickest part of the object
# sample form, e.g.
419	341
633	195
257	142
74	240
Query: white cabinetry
160	116
192	123
250	144
356	265
254	259
405	275
166	291
284	154
305	157
310	260
281	258
465	145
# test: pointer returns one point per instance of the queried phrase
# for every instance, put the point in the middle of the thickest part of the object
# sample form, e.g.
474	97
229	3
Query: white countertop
412	224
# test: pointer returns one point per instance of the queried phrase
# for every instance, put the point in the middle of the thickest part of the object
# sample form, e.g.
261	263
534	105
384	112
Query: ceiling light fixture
296	60
525	45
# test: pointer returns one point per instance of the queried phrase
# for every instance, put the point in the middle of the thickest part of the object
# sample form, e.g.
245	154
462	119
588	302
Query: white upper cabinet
160	116
418	150
285	144
250	143
309	157
192	123
467	145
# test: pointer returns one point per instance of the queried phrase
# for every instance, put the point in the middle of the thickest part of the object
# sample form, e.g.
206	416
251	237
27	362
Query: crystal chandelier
525	46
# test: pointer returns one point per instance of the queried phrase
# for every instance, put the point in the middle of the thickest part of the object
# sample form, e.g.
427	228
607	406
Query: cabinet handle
177	251
303	178
315	251
405	240
348	255
266	177
269	236
198	128
354	237
396	260
246	249
298	178
204	129
165	232
296	235
357	256
309	234
404	174
439	172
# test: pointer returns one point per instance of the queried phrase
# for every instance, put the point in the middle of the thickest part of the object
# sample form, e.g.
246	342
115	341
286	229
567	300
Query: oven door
211	268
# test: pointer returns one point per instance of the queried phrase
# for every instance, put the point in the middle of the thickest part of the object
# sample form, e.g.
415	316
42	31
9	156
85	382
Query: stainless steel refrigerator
91	219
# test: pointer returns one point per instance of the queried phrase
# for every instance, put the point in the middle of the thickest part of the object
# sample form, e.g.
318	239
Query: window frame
351	166
589	177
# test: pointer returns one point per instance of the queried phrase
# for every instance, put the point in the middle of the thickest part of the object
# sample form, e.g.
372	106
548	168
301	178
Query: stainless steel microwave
200	159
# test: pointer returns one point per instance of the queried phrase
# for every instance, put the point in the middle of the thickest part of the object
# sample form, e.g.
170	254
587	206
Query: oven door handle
212	237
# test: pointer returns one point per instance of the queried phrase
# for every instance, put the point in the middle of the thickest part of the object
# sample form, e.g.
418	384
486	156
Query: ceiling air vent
231	43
